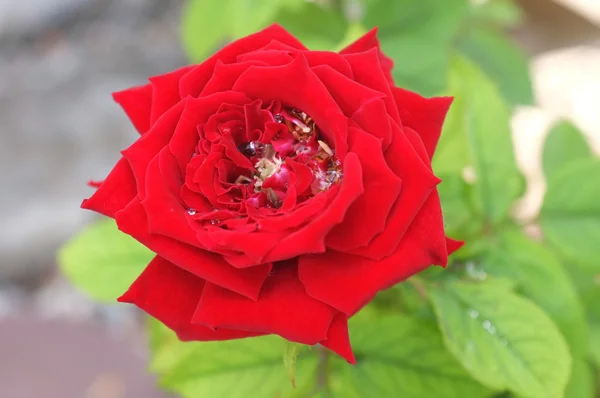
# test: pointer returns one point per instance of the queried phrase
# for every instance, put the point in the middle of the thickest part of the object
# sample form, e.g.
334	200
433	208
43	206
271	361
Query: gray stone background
59	62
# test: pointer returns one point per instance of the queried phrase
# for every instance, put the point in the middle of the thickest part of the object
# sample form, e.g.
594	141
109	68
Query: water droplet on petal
279	118
214	221
191	211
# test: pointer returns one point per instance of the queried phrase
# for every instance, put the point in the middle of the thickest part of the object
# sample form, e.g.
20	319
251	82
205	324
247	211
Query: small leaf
477	137
290	355
503	340
501	59
400	356
249	367
570	215
564	144
541	277
103	261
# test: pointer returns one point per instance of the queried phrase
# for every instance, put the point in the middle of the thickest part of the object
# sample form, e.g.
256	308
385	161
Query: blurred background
59	62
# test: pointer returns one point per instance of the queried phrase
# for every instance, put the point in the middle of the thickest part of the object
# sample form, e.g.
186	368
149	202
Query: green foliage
102	261
252	367
501	59
503	340
541	277
238	368
570	216
406	359
565	144
477	135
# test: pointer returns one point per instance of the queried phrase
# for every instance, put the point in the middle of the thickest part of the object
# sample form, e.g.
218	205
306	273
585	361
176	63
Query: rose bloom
280	188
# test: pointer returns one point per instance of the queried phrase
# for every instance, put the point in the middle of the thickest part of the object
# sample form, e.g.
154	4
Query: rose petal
367	216
310	238
424	115
367	71
115	193
165	92
338	340
171	295
225	75
368	42
193	83
133	221
147	146
417	183
136	102
283	308
453	245
296	85
348	282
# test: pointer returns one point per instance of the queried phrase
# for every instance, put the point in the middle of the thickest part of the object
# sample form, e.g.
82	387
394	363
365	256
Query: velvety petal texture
280	188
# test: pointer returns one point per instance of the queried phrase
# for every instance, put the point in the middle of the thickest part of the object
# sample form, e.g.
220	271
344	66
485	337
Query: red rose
280	188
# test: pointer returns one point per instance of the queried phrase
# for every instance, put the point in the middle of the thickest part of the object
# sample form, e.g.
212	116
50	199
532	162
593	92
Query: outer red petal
165	92
171	295
338	340
368	215
365	66
193	83
115	192
209	266
283	308
137	103
367	42
453	245
417	184
424	115
348	282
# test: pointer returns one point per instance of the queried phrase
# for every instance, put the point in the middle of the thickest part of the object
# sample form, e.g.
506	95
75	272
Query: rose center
295	137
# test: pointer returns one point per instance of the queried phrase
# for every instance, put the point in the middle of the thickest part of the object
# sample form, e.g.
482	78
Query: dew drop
473	314
487	325
279	118
191	211
214	221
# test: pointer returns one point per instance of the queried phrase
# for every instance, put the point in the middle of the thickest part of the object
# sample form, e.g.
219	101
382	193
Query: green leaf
204	25
582	383
327	27
426	73
459	220
433	19
103	261
501	59
541	277
499	12
564	144
418	36
208	24
399	356
570	215
290	356
477	135
242	368
503	340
